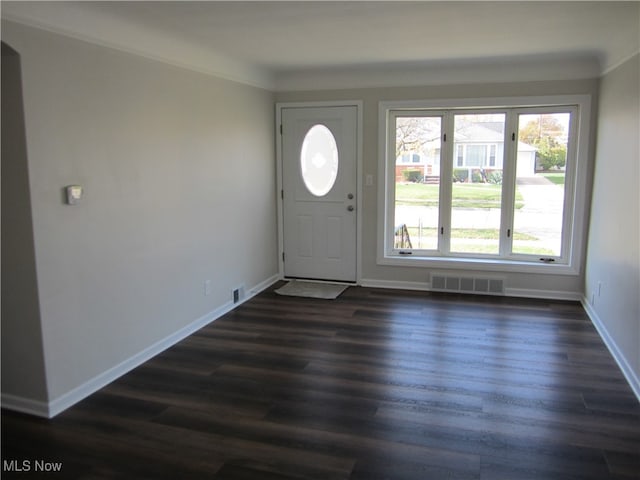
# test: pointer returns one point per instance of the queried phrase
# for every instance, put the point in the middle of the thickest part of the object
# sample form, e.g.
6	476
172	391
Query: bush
460	174
495	177
414	176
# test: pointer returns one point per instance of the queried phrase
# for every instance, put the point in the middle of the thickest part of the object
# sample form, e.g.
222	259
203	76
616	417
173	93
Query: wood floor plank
377	384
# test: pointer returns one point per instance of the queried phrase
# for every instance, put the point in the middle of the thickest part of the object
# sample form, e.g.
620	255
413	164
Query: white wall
613	259
21	334
179	175
561	286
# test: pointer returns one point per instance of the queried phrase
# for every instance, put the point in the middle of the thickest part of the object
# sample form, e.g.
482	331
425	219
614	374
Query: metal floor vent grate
467	284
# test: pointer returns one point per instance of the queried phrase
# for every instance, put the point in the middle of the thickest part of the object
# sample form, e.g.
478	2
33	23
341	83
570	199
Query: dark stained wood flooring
375	385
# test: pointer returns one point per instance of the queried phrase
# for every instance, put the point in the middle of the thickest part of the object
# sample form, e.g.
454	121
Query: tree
547	134
541	126
413	134
551	154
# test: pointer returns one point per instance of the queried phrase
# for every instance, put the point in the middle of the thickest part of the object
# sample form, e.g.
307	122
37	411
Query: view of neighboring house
477	147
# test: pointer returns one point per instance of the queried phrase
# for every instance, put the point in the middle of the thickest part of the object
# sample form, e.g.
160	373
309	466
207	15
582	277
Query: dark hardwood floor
377	384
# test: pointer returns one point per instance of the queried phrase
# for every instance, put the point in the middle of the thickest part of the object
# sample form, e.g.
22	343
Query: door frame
280	106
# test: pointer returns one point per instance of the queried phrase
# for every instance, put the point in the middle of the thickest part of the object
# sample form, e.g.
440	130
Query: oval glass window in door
319	160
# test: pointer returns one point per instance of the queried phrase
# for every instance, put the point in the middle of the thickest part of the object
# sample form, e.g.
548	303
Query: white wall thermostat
74	194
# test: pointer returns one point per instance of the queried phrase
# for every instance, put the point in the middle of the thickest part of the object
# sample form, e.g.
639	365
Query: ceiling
292	44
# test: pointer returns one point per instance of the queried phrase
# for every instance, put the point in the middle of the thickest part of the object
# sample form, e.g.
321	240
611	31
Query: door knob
350	208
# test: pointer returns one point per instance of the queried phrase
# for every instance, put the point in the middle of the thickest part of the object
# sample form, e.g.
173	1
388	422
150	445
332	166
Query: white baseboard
509	292
58	405
394	284
627	370
262	286
545	294
61	403
25	405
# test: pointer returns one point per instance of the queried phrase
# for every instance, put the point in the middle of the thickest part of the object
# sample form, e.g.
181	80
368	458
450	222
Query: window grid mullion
391	140
509	183
446	187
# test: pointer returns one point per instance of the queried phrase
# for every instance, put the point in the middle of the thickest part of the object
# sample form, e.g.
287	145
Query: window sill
479	264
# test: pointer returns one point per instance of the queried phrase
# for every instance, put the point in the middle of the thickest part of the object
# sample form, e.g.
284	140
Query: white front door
319	178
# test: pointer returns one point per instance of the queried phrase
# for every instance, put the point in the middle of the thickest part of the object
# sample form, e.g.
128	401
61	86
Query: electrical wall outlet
207	287
238	293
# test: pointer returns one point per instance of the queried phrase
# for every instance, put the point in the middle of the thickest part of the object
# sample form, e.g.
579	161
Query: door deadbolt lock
350	196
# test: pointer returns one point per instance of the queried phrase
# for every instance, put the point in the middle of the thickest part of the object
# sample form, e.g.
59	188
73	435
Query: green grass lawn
465	240
471	233
557	178
465	195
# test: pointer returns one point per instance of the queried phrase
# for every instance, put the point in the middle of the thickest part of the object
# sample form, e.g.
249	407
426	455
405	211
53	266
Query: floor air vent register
467	284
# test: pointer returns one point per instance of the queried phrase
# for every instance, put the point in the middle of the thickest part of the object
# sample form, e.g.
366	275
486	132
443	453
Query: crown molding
88	26
75	20
495	70
619	63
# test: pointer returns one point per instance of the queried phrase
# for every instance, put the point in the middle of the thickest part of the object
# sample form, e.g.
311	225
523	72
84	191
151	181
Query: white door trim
279	187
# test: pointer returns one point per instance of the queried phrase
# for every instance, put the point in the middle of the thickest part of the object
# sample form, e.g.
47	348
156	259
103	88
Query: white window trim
577	187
